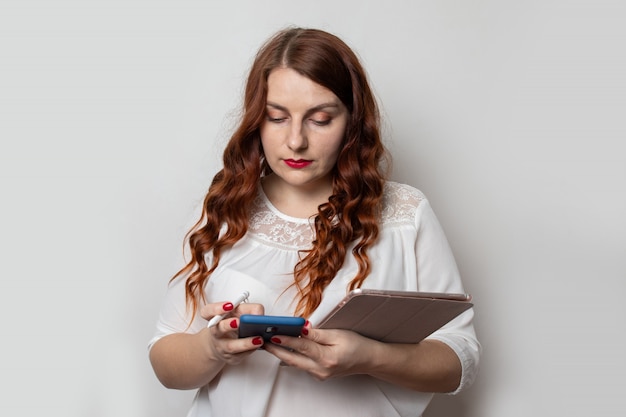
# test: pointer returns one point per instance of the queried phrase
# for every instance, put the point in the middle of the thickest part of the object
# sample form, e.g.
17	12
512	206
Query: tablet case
395	316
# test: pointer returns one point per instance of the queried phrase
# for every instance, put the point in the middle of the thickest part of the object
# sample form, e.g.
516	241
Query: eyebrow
309	111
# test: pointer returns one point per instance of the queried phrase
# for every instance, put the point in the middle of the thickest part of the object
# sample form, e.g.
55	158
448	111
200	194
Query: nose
297	139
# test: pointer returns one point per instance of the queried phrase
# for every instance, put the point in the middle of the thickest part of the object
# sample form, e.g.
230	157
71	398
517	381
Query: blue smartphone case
268	326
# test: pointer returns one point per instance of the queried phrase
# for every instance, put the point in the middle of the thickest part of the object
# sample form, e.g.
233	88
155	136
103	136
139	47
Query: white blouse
411	254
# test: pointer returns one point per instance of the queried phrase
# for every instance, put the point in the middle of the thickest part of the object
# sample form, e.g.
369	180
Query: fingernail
305	331
276	340
228	306
307	323
233	324
257	341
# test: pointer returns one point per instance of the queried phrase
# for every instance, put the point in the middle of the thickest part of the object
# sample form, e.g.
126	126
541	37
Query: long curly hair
351	214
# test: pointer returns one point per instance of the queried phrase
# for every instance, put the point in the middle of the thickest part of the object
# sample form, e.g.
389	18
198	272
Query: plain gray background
509	115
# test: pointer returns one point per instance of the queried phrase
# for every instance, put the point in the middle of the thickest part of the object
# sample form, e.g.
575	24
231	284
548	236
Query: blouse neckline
279	213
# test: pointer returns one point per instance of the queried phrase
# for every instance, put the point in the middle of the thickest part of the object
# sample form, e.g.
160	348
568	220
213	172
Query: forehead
286	86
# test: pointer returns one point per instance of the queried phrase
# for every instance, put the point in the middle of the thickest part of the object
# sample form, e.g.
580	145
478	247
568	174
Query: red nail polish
307	323
228	306
233	324
257	341
305	331
276	340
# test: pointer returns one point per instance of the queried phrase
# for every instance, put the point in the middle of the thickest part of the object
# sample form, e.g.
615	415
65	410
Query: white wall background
509	115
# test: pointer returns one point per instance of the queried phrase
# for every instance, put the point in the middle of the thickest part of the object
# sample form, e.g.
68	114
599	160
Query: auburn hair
351	215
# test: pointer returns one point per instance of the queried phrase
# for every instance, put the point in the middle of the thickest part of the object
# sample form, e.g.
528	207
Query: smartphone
268	326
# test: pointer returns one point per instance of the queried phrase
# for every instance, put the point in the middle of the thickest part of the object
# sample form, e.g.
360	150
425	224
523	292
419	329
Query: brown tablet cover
395	316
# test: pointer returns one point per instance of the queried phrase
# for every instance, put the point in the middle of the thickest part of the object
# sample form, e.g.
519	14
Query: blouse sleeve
174	316
437	272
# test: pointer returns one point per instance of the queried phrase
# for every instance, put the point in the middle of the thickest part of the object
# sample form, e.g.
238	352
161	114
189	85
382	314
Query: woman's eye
321	122
275	119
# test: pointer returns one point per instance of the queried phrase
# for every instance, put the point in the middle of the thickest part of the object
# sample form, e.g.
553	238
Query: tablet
395	316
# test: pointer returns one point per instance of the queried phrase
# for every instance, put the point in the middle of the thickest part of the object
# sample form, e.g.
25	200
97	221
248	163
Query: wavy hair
351	215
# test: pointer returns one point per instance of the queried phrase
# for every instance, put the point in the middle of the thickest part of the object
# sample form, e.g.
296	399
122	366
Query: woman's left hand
325	353
428	366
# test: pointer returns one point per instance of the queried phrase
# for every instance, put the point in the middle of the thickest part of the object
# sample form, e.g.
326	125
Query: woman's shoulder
400	203
402	191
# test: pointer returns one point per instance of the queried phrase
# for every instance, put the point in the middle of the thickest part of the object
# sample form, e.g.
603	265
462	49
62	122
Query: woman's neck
295	201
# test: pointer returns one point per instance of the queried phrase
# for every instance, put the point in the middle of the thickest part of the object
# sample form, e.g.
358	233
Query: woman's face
303	130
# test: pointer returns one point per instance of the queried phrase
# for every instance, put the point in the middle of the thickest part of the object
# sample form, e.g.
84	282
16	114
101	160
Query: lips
298	164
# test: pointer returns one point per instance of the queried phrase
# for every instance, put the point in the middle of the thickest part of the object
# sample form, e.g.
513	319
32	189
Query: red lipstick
297	164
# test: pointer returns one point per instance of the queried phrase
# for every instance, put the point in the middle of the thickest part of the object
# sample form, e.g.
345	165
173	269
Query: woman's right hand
191	360
223	340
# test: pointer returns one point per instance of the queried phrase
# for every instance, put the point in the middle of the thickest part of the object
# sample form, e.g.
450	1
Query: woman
299	215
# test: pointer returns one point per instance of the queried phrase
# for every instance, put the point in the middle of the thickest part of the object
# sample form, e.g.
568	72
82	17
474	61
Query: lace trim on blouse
400	203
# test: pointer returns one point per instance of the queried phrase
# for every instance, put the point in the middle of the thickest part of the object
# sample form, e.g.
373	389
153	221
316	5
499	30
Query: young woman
300	214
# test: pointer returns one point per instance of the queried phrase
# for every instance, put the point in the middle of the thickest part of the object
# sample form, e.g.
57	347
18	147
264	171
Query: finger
227	308
298	345
288	356
250	308
305	355
226	344
213	309
233	351
320	336
292	357
306	328
227	327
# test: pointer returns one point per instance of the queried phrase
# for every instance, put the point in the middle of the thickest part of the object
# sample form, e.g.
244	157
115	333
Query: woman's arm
428	366
185	361
191	360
